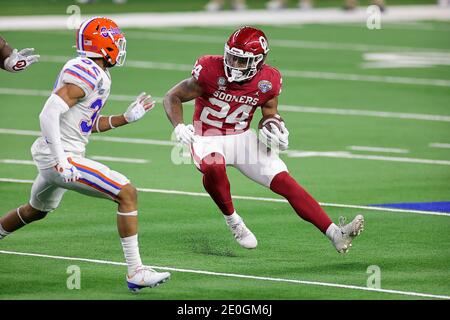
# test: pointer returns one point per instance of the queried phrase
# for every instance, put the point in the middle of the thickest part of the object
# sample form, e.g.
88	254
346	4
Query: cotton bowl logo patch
265	86
221	81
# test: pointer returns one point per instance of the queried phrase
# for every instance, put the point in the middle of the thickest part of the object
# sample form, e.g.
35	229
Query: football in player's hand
267	120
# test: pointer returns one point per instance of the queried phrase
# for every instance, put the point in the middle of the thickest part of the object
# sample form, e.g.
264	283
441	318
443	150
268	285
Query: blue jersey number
86	125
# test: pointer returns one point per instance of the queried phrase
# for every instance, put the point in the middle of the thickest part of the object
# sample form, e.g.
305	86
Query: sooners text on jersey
227	108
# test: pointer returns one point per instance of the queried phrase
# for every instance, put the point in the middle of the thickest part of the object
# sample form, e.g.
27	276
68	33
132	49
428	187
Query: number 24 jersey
228	107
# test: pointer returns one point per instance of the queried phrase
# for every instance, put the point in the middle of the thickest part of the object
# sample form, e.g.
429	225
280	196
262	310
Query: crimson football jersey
228	108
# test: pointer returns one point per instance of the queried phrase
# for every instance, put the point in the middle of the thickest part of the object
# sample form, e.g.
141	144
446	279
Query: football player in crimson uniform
13	60
70	115
227	91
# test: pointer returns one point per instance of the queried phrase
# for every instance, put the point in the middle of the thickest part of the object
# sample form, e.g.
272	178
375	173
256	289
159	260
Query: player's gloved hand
185	133
20	60
67	171
139	107
278	139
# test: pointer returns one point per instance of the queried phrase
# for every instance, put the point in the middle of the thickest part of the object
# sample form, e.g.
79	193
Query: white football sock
131	251
3	232
232	218
330	231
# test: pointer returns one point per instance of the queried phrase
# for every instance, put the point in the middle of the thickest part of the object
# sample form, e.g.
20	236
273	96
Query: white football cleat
343	235
243	235
146	277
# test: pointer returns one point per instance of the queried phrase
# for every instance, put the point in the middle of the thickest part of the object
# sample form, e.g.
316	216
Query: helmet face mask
245	52
239	65
121	44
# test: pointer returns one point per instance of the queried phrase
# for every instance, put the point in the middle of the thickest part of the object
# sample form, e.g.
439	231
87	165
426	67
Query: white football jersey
76	124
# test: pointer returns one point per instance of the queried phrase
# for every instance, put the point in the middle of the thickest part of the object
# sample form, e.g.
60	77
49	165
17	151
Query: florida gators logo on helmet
100	37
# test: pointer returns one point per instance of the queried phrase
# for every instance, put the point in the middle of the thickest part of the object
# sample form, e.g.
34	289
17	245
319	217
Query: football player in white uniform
69	116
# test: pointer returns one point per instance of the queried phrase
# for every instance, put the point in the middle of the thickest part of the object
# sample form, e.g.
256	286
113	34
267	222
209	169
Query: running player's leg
45	197
210	158
269	170
98	180
266	168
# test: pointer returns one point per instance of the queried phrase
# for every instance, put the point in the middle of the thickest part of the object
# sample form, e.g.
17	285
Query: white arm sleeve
49	120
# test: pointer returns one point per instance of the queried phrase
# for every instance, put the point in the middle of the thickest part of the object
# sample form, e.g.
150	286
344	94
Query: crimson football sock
302	202
216	182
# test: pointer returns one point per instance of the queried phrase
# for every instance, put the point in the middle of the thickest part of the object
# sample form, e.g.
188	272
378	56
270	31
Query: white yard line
16	161
282	107
234	275
289	153
285	73
169	35
377	149
348	155
263	199
95	138
440	145
93	157
366	113
283	43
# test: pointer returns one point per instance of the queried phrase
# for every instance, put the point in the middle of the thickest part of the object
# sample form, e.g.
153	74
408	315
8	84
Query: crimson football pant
216	183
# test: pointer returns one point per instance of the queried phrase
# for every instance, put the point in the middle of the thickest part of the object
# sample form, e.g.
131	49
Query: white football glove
185	133
67	171
20	60
276	139
139	107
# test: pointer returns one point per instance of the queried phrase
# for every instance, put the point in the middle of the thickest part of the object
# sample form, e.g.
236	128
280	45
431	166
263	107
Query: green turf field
187	232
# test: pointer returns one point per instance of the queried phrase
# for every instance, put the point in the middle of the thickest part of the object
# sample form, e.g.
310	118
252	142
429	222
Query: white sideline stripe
348	155
232	18
377	149
234	275
285	73
288	108
202	194
440	145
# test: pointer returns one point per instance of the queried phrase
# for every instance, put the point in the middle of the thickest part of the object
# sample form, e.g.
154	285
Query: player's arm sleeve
198	72
277	84
80	76
50	128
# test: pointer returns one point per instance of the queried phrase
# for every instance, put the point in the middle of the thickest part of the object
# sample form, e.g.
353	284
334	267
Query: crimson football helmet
245	52
100	37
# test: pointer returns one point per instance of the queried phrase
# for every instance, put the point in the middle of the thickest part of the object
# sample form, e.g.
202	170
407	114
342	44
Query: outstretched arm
184	91
14	61
135	111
